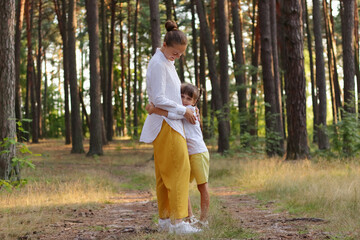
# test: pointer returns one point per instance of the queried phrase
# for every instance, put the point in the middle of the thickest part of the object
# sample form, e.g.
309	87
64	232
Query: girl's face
187	100
173	52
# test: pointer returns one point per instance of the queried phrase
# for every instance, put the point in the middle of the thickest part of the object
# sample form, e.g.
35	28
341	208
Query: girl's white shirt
163	88
193	133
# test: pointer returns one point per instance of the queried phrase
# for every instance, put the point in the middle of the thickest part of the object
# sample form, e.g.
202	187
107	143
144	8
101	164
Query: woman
172	168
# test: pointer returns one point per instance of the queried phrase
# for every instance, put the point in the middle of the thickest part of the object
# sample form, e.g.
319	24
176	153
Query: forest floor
130	214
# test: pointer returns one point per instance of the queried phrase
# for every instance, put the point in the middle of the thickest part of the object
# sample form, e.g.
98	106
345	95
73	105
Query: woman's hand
189	115
150	108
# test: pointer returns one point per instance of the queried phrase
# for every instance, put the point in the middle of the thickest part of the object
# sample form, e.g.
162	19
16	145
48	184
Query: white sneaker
192	220
164	224
183	228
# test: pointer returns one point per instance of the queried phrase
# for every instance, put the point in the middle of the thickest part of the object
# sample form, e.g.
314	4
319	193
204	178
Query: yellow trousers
172	170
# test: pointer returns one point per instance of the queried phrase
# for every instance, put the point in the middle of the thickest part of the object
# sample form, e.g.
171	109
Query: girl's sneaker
192	220
203	224
164	224
183	228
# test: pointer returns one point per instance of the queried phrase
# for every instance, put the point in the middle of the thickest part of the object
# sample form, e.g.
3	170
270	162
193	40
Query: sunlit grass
64	181
322	189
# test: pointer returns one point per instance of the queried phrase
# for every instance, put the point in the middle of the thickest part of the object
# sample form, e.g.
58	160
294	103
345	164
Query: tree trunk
356	51
312	78
61	15
297	145
135	122
128	79
110	110
202	77
169	7
254	77
223	143
194	44
7	86
39	72
123	81
347	27
273	132
323	140
239	63
279	125
95	88
76	129
155	25
19	24
103	64
223	33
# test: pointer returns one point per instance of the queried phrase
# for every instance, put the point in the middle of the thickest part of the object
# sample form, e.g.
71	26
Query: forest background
278	77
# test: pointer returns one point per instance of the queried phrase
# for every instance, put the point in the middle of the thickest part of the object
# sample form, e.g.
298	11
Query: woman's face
173	52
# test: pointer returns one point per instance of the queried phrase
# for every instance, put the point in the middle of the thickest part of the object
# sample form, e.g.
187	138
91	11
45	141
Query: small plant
17	163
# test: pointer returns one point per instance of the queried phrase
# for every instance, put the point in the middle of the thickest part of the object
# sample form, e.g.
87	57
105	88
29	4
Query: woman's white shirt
163	88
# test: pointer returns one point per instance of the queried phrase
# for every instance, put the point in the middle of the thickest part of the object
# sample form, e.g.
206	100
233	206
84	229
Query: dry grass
64	181
322	189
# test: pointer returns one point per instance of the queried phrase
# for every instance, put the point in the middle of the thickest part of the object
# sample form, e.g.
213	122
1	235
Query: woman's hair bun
170	25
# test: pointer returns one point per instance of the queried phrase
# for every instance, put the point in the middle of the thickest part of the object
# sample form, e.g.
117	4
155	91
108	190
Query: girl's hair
174	35
190	90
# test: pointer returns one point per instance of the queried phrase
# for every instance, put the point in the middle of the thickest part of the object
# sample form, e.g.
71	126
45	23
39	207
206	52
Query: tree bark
297	145
135	122
128	79
347	27
155	25
95	88
76	128
7	86
255	49
19	24
223	142
273	132
110	110
123	81
239	63
61	15
312	77
323	140
103	64
39	72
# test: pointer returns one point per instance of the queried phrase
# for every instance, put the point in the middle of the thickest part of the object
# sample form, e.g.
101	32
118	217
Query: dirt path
134	212
262	219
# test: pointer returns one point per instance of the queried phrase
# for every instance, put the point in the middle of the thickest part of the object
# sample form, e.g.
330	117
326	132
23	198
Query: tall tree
323	140
76	129
39	71
297	145
194	43
7	86
103	63
255	49
19	24
95	88
239	64
155	25
223	40
223	128
135	122
273	132
312	77
60	10
347	30
123	81
110	110
128	78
